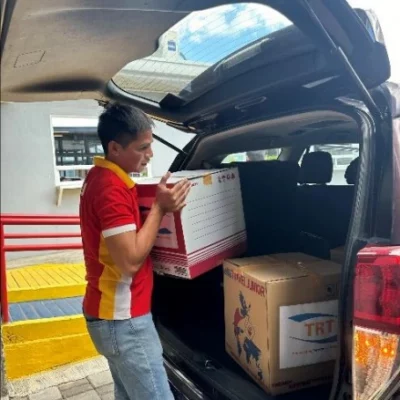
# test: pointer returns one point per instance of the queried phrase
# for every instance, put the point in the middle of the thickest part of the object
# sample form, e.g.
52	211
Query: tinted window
259	155
195	44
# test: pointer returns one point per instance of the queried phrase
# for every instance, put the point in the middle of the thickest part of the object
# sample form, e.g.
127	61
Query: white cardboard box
209	229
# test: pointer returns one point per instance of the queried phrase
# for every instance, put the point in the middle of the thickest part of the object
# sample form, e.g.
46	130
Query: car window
197	43
258	155
342	156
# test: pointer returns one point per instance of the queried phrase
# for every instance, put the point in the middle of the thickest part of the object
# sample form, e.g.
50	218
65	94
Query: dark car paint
396	182
392	93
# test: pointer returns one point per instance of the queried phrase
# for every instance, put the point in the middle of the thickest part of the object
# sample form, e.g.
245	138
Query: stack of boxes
281	310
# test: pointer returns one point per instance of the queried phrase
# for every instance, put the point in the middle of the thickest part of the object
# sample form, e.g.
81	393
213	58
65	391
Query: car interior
290	205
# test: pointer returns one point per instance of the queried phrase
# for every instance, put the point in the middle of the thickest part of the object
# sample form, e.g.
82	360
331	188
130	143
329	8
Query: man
117	303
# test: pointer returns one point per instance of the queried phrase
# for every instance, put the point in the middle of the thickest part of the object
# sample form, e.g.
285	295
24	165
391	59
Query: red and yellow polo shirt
109	206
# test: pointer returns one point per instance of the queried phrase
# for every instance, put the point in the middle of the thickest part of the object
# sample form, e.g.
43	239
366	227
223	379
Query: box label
166	237
170	269
207	179
245	281
308	333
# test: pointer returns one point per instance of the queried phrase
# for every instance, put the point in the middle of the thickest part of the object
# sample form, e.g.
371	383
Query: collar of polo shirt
103	163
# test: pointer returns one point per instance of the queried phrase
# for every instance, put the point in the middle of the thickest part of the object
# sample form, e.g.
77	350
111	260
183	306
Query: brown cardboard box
281	319
337	255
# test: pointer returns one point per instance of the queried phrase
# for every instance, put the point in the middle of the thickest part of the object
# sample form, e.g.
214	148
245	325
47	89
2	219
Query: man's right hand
174	199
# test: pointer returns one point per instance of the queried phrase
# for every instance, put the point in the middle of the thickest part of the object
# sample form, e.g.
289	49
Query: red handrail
42	235
31	219
42	247
35	216
39	221
3	276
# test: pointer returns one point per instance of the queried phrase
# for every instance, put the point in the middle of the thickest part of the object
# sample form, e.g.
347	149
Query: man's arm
130	249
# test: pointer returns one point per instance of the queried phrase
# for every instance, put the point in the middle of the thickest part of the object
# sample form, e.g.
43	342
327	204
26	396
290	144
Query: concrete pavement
97	386
87	380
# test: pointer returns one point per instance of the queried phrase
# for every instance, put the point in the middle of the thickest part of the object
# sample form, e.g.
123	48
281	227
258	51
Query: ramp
46	328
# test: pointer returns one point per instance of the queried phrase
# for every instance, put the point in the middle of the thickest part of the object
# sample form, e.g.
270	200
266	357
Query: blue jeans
133	351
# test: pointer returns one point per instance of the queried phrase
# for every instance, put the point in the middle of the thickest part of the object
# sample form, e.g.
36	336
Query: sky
210	35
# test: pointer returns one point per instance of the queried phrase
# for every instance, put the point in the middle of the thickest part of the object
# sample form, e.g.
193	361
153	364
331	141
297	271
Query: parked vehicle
316	77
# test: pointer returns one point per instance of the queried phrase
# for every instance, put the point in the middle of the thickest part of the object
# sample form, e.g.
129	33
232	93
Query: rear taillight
376	351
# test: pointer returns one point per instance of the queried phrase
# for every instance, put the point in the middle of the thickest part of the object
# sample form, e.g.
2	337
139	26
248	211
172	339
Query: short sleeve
114	209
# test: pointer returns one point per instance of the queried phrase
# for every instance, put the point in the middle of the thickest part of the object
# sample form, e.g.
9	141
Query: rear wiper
168	144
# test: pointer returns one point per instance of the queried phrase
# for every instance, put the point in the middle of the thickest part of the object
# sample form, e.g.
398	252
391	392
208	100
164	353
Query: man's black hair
122	124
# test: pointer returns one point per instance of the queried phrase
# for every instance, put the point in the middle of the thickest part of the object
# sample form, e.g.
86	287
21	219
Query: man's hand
174	199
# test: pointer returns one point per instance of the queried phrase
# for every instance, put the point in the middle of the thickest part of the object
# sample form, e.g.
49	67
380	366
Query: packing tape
317	279
207	179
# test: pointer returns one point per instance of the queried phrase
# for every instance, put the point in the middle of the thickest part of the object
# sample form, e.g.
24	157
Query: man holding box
117	303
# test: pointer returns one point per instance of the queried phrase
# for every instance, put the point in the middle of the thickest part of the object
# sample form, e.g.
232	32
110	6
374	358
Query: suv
299	76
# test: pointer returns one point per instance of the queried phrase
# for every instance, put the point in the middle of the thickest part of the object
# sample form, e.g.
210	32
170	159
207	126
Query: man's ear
114	148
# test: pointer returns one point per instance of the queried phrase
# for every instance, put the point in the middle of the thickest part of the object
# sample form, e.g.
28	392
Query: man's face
136	155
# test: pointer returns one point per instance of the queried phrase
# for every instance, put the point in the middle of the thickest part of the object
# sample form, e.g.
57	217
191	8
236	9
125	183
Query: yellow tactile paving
40	329
45	281
32	357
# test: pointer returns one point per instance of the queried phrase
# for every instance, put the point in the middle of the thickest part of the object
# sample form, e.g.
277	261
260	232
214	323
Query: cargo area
288	208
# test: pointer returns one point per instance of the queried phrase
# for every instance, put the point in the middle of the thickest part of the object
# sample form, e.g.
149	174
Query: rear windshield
258	155
196	44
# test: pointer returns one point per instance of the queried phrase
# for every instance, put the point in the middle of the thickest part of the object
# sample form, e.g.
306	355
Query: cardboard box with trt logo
209	229
281	315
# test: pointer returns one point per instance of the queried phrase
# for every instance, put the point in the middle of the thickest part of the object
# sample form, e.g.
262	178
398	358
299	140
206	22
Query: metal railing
31	220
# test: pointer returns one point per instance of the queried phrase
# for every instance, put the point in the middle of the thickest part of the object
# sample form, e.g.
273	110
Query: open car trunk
190	320
279	217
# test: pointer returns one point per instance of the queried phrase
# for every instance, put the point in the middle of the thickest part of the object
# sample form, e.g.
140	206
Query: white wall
27	157
28	164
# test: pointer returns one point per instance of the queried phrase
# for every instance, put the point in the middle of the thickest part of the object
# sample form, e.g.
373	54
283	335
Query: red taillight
376	352
377	288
